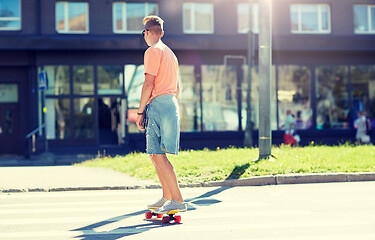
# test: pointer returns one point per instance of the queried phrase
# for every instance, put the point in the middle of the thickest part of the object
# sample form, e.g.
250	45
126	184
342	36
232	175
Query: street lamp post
248	141
265	63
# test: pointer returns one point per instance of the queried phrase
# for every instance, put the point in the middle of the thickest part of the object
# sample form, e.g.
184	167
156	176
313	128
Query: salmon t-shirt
161	62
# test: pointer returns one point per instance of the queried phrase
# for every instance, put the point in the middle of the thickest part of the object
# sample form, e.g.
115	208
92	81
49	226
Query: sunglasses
143	32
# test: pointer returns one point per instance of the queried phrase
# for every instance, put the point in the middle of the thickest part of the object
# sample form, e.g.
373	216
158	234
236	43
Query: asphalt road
304	211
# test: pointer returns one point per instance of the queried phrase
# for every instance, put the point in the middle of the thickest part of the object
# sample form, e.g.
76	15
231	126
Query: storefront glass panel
58	79
83	80
110	120
110	80
134	79
294	95
363	90
57	118
255	98
189	99
84	121
332	97
219	98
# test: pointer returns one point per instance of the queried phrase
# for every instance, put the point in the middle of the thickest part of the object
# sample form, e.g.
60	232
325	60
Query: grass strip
197	166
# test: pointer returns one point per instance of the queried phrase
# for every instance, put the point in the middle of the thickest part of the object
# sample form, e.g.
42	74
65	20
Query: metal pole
265	63
248	140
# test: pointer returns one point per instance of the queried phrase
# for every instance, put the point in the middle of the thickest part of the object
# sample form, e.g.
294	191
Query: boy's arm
147	88
178	90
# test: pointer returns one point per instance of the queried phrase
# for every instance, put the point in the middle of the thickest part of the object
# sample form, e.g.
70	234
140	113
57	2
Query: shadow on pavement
89	232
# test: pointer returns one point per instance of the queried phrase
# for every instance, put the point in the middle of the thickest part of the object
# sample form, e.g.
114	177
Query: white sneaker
158	204
172	205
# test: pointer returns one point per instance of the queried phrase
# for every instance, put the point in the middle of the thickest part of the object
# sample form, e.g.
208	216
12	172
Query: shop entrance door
9	129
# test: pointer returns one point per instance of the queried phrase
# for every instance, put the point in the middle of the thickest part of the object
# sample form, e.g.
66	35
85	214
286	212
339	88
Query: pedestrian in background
289	126
361	124
160	90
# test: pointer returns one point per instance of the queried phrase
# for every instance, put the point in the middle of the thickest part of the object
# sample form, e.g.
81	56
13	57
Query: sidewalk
39	178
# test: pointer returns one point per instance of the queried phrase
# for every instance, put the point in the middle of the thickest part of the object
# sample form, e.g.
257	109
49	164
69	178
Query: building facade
91	52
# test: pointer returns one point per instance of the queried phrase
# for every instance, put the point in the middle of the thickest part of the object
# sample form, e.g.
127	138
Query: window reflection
72	17
58	80
255	98
127	17
243	17
363	91
83	80
10	17
84	122
57	118
110	79
294	95
198	17
189	99
332	97
219	98
134	79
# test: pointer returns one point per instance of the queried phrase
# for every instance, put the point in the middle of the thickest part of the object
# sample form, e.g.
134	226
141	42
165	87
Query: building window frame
66	29
370	23
192	29
320	22
124	17
13	19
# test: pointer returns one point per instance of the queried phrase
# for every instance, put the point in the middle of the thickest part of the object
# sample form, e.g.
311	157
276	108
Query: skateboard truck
172	217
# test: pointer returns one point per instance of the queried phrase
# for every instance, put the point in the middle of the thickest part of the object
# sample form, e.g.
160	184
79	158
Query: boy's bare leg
166	191
168	175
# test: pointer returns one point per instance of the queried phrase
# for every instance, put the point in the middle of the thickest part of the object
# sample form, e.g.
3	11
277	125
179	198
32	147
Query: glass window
198	18
243	17
72	17
189	99
364	18
255	98
110	80
83	80
294	94
57	118
84	121
332	97
363	91
58	79
219	98
10	15
134	79
310	18
127	17
110	120
8	93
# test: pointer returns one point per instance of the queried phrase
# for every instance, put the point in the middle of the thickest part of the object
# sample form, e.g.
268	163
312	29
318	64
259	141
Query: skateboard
166	219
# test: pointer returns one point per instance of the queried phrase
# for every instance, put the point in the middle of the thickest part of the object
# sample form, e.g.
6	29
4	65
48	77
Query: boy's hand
140	122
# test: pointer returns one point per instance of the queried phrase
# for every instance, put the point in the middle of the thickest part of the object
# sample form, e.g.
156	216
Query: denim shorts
163	128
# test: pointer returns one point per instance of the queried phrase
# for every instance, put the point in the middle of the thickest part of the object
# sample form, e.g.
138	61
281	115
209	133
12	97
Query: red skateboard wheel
166	219
177	219
159	215
148	215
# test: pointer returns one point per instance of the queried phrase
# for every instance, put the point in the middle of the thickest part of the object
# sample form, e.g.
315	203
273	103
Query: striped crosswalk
311	211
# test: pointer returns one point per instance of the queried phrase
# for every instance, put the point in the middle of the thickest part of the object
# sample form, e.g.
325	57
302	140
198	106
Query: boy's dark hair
154	24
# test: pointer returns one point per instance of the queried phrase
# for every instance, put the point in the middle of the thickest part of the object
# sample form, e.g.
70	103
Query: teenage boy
160	90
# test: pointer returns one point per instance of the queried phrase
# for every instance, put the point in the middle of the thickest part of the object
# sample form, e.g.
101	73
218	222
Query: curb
252	181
